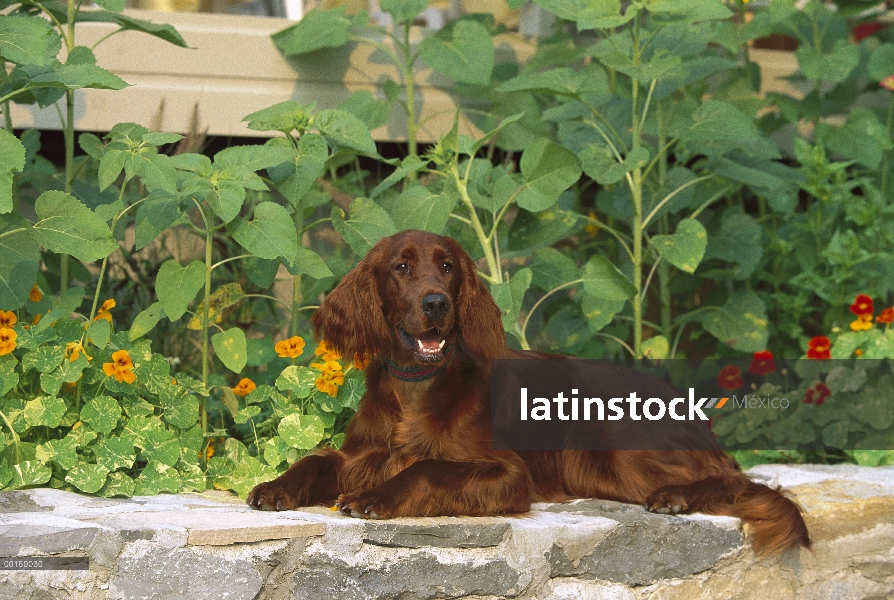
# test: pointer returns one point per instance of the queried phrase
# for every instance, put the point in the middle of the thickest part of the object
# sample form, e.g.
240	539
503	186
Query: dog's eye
447	266
402	268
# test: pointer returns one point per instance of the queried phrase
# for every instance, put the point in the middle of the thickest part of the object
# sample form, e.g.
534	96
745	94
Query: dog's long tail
775	520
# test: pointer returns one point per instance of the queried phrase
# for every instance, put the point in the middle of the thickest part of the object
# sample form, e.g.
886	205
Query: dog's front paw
365	505
668	500
276	495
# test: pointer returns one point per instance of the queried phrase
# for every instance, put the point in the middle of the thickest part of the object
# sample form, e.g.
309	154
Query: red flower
762	364
730	378
818	348
862	305
817	394
886	316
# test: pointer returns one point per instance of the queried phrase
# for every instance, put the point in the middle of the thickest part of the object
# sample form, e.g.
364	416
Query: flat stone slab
211	545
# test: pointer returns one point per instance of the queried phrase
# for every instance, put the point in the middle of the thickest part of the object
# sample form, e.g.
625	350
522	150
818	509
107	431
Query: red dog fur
424	448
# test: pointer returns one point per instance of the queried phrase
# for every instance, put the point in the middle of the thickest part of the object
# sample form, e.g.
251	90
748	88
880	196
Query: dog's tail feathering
775	520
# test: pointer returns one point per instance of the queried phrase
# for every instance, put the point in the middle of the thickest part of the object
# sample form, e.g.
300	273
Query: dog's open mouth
427	347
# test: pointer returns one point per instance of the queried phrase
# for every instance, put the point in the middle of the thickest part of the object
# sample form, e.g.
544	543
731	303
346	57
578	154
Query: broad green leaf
509	296
270	234
28	40
298	380
99	332
317	29
552	268
741	323
261	271
160	138
62	451
660	65
44	358
245	415
419	208
28	473
295	178
44	410
248	473
226	198
863	137
157	477
599	312
881	62
252	158
403	10
600	164
101	413
685	248
67	226
111	5
717	120
307	262
180	409
562	81
688	11
301	431
223	298
373	113
146	321
177	286
740	240
230	348
464	52
110	166
284	117
592	14
549	169
19	261
156	171
162	31
368	224
117	484
80	71
88	478
834	66
409	165
12	160
161	445
345	130
604	280
656	347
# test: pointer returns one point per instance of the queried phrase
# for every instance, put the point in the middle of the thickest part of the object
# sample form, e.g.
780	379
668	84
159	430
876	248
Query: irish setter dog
420	443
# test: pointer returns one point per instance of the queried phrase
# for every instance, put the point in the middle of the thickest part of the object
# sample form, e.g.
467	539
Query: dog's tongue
430	343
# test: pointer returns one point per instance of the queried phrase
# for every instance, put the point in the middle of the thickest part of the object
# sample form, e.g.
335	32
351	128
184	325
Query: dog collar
414	374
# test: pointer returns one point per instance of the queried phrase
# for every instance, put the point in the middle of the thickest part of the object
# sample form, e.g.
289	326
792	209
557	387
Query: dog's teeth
441	345
419	343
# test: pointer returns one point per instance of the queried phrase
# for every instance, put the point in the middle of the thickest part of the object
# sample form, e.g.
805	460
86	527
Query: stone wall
196	546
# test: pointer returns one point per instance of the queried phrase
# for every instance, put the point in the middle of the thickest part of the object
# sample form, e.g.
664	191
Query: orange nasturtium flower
730	378
330	378
8	319
244	387
290	348
887	83
819	348
326	353
886	316
7	341
121	367
863	323
35	295
762	363
73	351
103	312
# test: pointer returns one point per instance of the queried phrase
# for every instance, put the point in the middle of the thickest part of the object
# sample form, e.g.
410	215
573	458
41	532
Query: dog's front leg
443	488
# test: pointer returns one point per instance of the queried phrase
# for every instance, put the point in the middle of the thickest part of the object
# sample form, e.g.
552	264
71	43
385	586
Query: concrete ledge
211	545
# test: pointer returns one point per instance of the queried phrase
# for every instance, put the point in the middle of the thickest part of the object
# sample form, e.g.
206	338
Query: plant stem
496	275
298	219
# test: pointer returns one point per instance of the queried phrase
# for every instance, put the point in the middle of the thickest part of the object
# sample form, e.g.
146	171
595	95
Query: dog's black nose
435	306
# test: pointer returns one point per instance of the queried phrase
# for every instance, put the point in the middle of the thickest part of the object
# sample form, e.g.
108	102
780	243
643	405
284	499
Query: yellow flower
8	319
103	312
326	353
121	367
7	341
330	378
73	351
290	348
244	387
863	323
592	227
35	295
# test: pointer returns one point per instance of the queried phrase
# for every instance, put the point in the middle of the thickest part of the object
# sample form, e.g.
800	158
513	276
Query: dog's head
412	296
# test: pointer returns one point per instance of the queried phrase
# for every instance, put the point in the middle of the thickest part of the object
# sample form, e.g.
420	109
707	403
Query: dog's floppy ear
350	318
479	316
